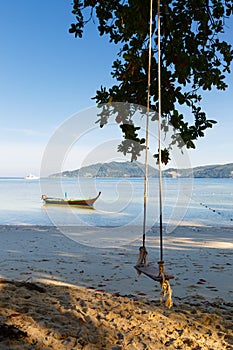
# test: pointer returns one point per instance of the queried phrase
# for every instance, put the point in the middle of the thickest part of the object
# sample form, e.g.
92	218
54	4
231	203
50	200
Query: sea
123	202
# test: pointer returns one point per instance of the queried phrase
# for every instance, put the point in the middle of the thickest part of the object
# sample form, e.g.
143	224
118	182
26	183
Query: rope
214	210
142	250
165	285
159	139
147	125
167	292
142	258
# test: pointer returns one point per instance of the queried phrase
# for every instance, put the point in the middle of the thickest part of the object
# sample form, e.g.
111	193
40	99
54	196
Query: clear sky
47	76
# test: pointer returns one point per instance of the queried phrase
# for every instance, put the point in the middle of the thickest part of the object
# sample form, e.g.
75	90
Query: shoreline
191	254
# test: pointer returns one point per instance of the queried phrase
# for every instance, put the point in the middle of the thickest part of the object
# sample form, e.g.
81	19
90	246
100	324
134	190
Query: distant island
136	169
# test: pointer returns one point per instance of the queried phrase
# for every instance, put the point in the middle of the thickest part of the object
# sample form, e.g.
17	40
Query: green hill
214	171
206	171
113	169
136	169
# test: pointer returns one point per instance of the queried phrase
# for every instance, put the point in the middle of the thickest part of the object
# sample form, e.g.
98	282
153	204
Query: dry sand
58	294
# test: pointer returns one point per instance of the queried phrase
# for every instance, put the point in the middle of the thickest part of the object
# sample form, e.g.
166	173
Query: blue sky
47	76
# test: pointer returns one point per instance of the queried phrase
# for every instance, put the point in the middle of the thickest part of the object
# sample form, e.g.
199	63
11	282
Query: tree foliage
193	54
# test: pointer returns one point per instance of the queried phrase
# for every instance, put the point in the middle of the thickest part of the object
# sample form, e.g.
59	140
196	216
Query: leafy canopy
193	58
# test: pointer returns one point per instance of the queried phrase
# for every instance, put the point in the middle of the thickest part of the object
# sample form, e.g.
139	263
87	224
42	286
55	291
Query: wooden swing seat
152	272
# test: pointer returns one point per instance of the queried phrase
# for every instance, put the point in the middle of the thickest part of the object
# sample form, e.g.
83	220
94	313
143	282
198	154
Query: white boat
31	177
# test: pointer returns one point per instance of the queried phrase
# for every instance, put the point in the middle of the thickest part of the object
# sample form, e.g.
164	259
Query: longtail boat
83	203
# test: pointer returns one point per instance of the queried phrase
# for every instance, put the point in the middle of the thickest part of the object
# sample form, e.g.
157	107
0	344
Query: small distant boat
84	203
31	177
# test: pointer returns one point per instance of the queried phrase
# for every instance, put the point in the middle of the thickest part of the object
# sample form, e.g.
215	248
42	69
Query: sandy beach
59	294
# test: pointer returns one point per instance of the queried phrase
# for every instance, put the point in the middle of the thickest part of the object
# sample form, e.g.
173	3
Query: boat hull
83	203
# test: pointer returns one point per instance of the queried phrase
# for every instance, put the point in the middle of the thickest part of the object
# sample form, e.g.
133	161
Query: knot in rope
165	285
142	257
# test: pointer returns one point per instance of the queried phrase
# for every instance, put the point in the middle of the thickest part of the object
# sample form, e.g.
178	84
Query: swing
157	274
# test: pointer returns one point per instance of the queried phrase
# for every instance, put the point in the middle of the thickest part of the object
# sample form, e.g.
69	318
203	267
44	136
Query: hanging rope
165	285
142	258
147	124
159	139
142	250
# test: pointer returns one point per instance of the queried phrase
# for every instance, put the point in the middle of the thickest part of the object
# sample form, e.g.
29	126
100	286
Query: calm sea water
185	201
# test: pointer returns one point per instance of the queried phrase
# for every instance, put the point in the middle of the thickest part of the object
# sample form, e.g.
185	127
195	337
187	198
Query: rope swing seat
156	274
